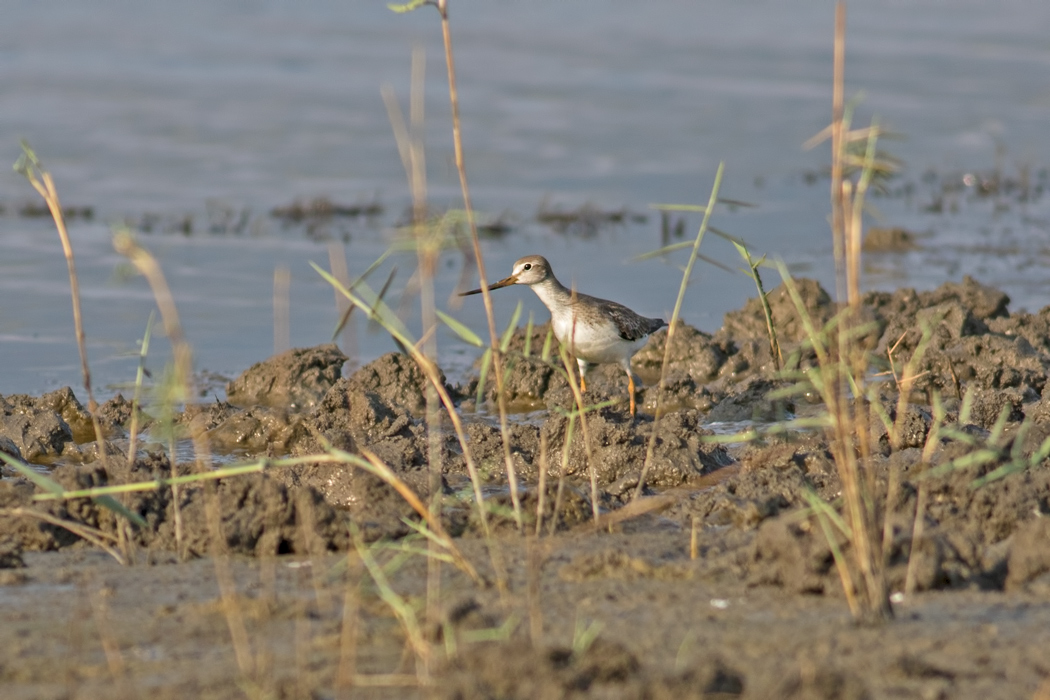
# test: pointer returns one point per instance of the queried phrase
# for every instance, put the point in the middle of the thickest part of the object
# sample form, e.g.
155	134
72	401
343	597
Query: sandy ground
717	583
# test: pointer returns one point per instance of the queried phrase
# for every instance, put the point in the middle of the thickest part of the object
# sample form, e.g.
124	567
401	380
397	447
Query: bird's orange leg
630	388
583	382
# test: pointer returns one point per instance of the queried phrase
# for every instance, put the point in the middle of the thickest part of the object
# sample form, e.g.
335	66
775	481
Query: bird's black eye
527	266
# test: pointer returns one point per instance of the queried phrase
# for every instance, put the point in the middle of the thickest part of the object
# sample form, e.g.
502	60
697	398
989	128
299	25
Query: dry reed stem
917	531
667	498
892	491
433	591
561	474
110	646
348	638
264	654
414	636
850	419
301	637
541	495
231	607
432	374
837	101
432	519
44	184
410	148
147	265
578	396
74	641
427	257
386	680
535	555
315	548
638	507
176	507
461	169
933	438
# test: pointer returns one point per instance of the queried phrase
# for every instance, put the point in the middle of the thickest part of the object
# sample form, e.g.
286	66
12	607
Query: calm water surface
214	110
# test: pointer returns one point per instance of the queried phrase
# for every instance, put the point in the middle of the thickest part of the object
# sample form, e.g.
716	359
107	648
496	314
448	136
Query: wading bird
594	331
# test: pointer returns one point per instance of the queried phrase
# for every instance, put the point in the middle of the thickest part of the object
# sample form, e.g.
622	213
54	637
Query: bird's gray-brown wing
631	325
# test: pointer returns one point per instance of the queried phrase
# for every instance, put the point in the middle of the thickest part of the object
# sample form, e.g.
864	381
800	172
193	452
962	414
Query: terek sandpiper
593	330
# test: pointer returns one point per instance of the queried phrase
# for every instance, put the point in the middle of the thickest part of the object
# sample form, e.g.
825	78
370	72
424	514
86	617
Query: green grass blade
53	487
486	362
369	302
504	342
122	510
545	353
47	484
402	8
699	208
460	329
662	251
528	336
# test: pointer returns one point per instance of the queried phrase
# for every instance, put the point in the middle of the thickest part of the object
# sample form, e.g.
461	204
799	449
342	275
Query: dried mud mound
53	427
985	537
246	515
298	404
293	380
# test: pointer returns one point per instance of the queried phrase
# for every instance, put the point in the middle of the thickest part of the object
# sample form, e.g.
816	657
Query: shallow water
205	108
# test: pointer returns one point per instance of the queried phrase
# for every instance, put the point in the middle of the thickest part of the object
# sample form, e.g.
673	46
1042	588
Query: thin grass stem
650	449
140	375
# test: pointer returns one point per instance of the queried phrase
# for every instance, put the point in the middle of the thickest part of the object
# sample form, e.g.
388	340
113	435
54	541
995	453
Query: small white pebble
897	597
719	603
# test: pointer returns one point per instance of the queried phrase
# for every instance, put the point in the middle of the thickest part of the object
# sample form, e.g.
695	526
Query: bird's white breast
596	342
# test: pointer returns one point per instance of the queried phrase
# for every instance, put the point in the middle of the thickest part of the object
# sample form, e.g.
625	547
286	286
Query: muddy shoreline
724	587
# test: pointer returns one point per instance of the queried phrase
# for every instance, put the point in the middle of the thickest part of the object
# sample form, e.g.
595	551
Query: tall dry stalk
843	370
183	391
427	243
461	169
29	166
581	409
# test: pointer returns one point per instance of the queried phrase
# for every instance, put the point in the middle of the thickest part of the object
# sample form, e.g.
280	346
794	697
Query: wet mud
708	576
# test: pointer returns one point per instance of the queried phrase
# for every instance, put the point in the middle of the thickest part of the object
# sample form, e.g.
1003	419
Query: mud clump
34	434
294	380
397	380
248	515
256	430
